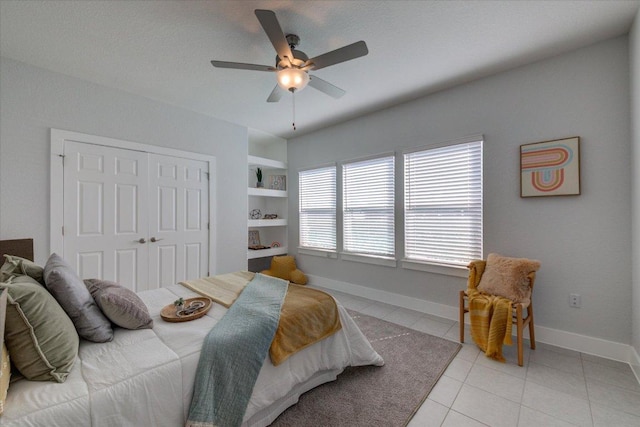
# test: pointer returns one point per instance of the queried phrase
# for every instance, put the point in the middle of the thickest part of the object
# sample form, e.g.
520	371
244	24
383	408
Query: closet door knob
153	239
142	240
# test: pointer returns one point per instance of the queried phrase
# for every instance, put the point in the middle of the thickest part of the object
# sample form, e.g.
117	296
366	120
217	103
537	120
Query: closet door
105	213
178	219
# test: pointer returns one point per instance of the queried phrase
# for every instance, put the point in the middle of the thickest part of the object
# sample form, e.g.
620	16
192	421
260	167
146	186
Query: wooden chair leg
519	327
462	311
532	335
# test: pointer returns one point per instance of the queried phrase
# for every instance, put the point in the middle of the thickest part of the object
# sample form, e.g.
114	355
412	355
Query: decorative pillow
5	376
5	366
121	305
72	295
284	267
17	266
507	277
40	337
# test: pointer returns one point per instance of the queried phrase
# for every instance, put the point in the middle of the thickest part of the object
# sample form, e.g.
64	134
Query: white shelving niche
268	201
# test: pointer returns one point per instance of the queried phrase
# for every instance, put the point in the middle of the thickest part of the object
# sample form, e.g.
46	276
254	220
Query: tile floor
555	387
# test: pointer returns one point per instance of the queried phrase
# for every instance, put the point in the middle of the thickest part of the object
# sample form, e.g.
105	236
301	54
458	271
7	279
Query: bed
145	377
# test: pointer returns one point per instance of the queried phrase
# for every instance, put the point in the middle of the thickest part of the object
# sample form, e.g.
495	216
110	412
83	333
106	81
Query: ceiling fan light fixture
292	79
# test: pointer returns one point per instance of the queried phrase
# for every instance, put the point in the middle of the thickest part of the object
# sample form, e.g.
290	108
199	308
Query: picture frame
254	238
550	168
278	182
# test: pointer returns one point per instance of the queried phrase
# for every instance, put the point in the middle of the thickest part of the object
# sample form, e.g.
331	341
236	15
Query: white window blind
368	206
317	210
443	204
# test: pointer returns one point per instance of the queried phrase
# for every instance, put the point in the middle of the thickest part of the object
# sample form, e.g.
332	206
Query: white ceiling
161	49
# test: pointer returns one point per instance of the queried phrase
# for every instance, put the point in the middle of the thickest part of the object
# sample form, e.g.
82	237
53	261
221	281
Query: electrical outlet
575	300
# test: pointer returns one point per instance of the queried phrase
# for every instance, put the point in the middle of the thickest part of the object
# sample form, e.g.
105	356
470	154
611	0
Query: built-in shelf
267	222
266	163
259	253
268	201
265	192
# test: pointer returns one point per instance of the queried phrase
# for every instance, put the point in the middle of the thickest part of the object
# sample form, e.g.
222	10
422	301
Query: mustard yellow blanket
307	315
490	322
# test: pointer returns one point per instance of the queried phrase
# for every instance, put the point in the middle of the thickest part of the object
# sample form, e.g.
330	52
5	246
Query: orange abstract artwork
550	168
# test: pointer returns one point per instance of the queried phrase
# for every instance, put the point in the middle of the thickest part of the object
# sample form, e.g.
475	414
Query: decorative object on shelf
259	184
193	308
255	214
270	216
254	240
278	182
179	303
550	168
275	245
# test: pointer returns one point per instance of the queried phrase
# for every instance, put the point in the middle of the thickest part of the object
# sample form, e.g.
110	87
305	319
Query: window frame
387	259
318	250
433	265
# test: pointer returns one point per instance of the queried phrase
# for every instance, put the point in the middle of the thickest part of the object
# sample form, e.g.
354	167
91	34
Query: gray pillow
42	342
121	305
72	295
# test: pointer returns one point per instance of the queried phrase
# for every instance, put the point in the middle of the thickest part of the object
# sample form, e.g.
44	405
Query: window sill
369	259
317	252
447	270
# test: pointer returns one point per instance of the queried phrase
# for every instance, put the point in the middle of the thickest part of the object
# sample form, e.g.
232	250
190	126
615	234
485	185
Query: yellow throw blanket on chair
490	322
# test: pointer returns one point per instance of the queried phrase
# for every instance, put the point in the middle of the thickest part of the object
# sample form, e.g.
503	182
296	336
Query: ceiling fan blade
276	94
272	27
337	56
326	87
241	66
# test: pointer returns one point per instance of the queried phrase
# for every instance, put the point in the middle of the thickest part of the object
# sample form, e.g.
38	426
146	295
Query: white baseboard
635	363
569	340
410	303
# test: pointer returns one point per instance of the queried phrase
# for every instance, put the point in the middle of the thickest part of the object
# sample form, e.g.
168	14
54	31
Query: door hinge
207	175
208	226
63	230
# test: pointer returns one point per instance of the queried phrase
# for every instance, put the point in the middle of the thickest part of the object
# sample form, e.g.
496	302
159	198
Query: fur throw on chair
507	277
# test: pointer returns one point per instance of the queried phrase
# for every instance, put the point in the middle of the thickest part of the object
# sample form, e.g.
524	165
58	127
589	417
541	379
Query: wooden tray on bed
169	314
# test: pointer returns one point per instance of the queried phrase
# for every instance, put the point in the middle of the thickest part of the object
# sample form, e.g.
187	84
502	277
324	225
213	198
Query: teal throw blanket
233	353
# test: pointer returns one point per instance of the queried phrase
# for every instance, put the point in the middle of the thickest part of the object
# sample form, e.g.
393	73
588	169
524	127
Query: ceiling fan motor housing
299	57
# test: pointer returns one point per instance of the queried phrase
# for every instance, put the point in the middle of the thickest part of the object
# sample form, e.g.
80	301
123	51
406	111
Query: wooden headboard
18	247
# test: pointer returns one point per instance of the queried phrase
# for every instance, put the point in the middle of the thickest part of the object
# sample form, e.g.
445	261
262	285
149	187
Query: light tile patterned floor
555	387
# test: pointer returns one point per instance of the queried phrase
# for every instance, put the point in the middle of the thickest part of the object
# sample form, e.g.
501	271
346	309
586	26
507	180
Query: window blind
317	210
443	204
368	206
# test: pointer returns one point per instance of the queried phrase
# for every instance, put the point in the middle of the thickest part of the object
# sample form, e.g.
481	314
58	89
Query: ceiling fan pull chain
293	96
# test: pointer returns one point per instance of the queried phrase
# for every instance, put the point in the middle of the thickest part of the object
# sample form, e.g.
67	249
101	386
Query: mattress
145	377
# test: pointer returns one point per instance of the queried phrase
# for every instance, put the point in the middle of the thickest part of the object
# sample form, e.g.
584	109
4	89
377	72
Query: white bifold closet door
136	218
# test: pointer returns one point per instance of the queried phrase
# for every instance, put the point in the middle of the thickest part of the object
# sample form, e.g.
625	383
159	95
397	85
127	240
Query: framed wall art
550	168
278	182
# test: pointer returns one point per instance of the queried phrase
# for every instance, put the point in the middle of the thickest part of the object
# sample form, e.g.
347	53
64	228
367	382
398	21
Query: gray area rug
377	396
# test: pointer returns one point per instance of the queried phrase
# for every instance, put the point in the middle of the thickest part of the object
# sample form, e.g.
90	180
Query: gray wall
33	100
583	242
634	49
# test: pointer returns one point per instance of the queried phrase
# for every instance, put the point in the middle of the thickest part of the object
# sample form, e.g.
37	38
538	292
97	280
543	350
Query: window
368	207
443	203
317	193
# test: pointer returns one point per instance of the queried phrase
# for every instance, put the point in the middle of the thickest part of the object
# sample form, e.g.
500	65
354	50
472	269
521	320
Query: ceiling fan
293	66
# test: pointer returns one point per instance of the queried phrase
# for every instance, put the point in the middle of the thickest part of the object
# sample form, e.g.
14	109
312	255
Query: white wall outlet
575	300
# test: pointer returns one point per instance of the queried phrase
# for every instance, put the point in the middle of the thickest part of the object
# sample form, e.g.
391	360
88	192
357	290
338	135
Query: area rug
377	396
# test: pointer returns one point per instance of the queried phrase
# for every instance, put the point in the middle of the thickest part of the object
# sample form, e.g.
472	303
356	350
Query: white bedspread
145	378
